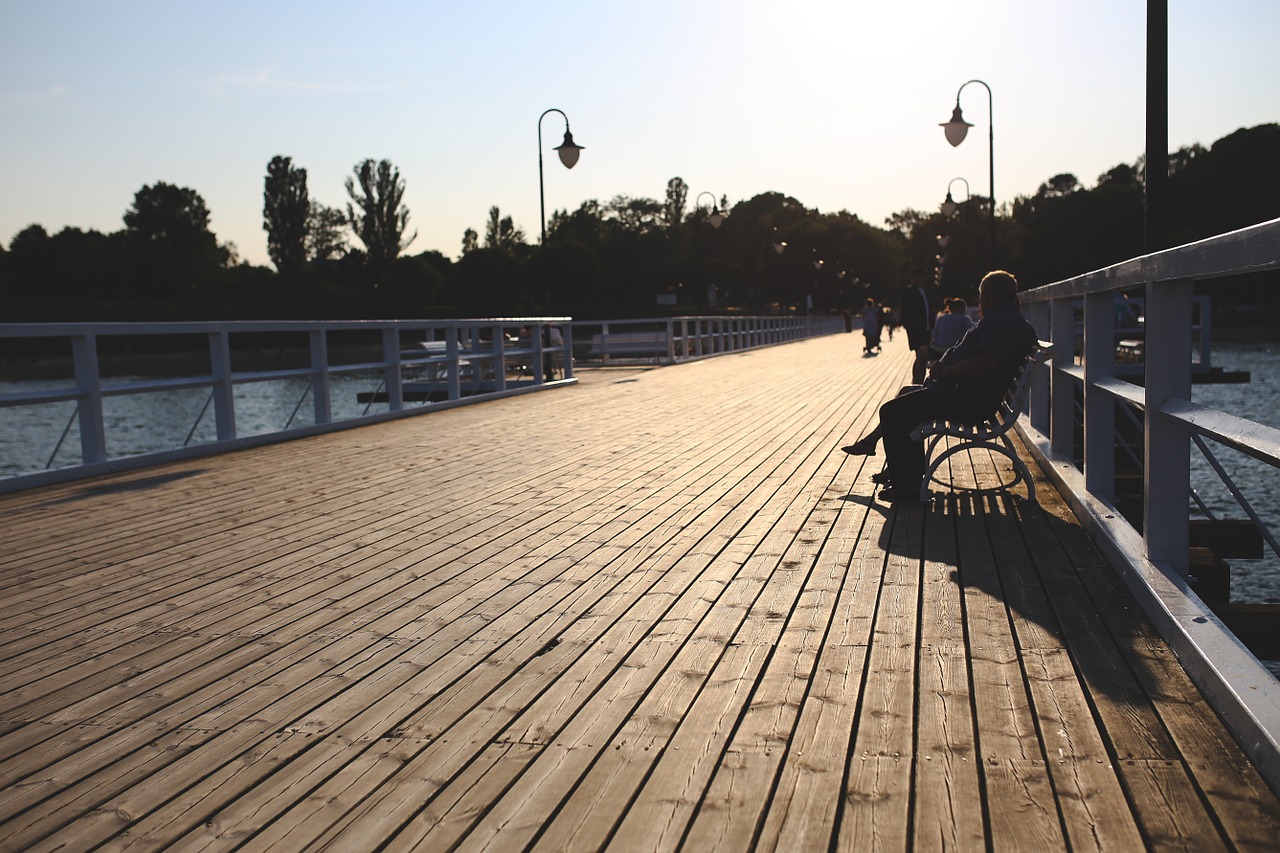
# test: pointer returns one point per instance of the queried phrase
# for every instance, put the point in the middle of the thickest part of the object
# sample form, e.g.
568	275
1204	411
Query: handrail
473	355
1155	562
686	338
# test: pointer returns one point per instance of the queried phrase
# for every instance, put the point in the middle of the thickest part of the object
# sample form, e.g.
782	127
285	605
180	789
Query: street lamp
568	151
957	128
715	217
949	207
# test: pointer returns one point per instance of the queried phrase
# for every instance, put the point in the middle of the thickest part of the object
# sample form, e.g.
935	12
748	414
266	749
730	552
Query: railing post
453	368
321	385
1099	408
499	358
1206	331
391	373
1167	481
671	340
1038	397
93	436
566	335
539	371
224	398
1062	388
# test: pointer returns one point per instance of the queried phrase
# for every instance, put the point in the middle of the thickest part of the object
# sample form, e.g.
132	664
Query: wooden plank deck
659	610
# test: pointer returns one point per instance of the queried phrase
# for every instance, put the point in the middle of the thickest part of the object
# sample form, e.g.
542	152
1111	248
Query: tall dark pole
1157	212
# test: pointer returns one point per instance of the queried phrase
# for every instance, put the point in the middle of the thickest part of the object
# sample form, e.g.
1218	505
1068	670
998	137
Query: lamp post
568	151
949	207
715	217
957	128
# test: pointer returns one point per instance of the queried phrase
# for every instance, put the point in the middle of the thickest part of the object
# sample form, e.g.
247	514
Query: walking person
870	327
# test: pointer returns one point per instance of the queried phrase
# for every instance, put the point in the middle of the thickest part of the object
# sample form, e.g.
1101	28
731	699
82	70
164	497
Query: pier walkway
658	610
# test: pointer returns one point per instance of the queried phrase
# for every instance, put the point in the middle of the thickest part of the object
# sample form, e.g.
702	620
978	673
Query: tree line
622	257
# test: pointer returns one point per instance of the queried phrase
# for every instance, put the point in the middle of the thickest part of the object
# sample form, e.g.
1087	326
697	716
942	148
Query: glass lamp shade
943	239
715	217
568	150
949	207
780	246
957	128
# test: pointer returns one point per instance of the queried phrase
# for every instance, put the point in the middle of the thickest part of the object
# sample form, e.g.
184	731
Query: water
32	437
1252	581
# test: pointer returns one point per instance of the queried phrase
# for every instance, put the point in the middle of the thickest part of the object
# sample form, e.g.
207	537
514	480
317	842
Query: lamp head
568	150
949	207
957	128
715	217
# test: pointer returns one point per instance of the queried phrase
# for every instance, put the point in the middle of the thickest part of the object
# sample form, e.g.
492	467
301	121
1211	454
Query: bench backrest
1016	398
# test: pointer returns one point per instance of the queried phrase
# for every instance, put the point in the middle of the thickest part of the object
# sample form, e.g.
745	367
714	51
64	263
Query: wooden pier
659	610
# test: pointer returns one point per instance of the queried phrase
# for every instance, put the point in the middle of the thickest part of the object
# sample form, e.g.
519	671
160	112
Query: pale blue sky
836	102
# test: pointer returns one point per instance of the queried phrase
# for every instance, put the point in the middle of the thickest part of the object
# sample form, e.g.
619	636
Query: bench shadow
1057	590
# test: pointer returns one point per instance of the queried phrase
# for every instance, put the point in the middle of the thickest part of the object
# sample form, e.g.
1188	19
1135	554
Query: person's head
998	289
871	303
957	305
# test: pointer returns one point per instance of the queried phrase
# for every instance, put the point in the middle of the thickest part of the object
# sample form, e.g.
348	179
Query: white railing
458	361
1154	562
675	339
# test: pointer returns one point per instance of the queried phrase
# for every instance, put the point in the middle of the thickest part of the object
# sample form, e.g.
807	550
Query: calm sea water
29	436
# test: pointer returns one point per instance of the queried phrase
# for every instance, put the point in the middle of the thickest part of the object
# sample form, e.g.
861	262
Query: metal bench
991	434
630	345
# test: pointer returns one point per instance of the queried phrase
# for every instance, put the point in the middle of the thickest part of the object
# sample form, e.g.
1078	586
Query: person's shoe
862	447
882	478
897	494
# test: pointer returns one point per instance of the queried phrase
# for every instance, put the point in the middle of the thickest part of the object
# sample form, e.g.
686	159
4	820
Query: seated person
950	327
966	384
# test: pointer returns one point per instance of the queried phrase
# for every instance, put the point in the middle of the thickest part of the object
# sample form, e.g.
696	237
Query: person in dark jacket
917	319
966	385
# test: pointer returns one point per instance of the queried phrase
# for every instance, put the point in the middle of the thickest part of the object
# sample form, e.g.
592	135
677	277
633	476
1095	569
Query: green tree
377	214
500	232
470	241
286	211
168	228
326	233
677	195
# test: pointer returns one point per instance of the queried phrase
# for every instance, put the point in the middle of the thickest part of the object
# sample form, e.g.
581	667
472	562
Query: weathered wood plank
663	612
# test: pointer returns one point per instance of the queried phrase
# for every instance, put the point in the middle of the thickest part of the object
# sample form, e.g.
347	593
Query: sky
833	102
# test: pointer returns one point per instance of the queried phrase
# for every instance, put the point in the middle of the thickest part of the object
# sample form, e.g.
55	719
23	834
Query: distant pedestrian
913	310
870	327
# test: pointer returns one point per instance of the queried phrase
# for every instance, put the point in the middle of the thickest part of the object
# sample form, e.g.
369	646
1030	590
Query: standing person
966	384
913	311
870	326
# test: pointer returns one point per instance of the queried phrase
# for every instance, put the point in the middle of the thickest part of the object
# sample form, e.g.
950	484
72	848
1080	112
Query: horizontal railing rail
675	339
460	360
1153	555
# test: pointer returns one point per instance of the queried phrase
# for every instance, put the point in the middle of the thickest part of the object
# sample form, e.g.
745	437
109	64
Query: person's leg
904	458
920	365
866	446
